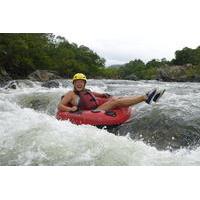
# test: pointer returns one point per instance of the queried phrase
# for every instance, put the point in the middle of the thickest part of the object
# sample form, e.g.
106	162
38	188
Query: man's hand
74	108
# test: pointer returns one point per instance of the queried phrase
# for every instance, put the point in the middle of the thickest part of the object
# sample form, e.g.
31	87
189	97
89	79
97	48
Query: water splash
163	134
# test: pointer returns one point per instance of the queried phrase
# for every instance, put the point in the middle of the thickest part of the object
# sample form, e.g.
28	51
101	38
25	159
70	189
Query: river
165	133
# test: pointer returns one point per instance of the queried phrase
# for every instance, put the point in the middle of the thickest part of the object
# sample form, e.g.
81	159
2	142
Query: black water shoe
150	96
158	95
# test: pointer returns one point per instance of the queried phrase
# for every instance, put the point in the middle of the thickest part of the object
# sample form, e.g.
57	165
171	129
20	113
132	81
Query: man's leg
127	101
122	102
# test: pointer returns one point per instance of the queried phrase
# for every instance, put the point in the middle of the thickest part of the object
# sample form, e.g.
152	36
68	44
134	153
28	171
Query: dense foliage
137	68
21	54
140	70
187	55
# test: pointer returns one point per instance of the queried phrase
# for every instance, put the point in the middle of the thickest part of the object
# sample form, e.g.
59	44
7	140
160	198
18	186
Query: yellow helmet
79	76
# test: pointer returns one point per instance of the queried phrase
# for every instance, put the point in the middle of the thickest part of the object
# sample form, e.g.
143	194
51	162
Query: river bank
185	73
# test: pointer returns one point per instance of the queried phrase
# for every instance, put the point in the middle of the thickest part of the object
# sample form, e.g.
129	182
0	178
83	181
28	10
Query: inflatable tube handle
111	113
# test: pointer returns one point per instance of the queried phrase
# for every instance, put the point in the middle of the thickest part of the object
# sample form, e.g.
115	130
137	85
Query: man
83	99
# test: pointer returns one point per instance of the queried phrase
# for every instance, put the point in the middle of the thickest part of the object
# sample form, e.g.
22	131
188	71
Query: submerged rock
51	84
11	85
43	75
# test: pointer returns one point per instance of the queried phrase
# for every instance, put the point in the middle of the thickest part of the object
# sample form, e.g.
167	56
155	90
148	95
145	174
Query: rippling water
166	133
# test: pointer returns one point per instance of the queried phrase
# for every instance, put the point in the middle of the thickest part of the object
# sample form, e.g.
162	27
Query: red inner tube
100	118
97	118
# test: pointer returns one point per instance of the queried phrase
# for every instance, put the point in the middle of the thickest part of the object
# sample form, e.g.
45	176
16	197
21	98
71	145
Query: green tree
187	56
157	63
21	54
135	67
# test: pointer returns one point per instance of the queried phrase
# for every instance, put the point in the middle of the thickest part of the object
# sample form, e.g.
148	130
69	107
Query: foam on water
31	138
34	137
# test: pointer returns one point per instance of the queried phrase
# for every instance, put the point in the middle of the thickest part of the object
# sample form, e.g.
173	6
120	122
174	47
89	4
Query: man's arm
64	101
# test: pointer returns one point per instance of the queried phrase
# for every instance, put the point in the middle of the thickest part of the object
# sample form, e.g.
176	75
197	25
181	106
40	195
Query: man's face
79	85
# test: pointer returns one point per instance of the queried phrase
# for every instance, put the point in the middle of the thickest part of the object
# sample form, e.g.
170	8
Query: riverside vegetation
24	53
